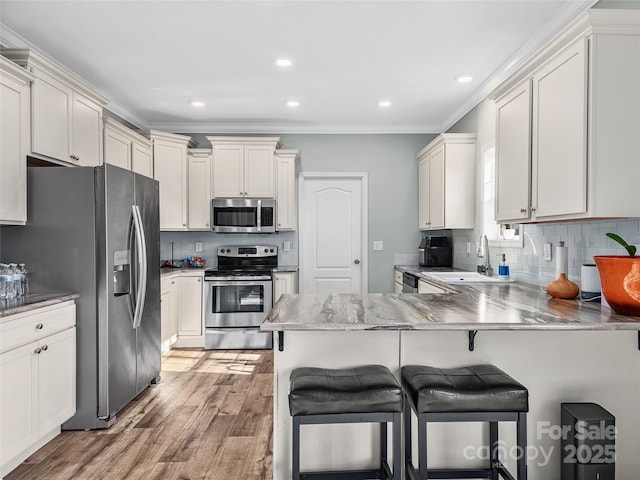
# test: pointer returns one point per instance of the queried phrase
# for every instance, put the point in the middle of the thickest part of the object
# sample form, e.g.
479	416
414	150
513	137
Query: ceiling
152	58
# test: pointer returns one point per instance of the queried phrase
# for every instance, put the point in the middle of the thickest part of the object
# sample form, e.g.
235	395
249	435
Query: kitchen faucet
486	268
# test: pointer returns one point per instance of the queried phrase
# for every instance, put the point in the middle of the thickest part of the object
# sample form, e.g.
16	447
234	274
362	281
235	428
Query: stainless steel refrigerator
96	231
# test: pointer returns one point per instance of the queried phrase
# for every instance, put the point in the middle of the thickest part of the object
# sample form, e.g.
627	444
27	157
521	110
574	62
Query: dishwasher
409	283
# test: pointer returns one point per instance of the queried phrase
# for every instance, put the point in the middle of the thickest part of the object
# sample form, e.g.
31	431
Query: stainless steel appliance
435	252
409	283
243	215
239	297
95	231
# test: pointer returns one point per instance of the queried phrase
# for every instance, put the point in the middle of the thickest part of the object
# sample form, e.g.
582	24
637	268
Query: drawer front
398	276
36	325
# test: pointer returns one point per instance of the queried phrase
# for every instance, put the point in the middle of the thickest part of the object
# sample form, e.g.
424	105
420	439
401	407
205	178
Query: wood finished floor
210	417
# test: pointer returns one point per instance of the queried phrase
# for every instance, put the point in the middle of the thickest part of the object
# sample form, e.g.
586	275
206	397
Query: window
505	234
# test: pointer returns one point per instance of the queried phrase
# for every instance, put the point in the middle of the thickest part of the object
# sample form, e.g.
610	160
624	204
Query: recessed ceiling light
464	78
384	103
196	103
293	103
284	62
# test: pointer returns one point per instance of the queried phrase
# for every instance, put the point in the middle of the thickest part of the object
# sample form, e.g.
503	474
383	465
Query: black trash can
588	442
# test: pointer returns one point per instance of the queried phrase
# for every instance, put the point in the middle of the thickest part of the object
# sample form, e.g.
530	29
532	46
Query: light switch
286	246
547	252
468	248
378	245
198	247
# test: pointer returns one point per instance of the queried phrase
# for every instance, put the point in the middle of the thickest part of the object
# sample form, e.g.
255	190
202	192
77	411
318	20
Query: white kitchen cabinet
190	320
428	287
244	166
169	311
127	149
513	154
15	138
199	191
170	169
284	282
286	190
66	114
397	277
446	182
37	379
583	112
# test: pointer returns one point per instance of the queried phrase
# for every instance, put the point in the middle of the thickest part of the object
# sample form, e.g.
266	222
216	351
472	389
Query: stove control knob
271	250
266	250
228	250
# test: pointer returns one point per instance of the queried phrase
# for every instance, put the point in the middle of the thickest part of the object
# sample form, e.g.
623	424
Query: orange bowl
620	278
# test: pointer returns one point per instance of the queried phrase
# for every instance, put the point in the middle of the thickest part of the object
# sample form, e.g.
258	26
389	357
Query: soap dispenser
503	268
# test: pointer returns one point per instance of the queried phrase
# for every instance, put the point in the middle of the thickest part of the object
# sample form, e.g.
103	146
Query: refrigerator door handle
141	251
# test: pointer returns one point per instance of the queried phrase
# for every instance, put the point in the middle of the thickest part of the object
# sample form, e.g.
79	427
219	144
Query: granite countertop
33	301
285	269
481	306
166	271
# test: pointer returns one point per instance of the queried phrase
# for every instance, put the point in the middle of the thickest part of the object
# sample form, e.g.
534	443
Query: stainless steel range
239	297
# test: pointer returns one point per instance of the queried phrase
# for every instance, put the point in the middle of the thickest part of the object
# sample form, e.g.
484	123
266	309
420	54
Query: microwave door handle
141	251
259	214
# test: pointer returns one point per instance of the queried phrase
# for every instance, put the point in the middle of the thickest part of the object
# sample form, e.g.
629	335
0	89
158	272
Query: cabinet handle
356	261
37	351
523	210
199	280
532	209
39	326
173	283
45	348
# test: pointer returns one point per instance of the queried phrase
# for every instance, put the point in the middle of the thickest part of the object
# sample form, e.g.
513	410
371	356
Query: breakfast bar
562	350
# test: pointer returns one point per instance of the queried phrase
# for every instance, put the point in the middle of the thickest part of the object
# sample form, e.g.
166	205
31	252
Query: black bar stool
478	393
365	394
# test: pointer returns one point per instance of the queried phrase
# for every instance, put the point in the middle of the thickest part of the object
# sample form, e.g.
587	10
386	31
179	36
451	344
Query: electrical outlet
547	252
378	245
286	246
468	248
198	247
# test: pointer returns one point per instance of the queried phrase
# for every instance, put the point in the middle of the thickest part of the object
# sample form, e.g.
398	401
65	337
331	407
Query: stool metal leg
522	445
407	437
493	443
397	446
383	448
295	454
422	447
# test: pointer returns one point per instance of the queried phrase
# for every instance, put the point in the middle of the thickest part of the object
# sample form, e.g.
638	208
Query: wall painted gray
389	160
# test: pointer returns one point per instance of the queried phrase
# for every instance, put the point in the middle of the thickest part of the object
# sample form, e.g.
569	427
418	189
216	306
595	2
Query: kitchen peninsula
562	350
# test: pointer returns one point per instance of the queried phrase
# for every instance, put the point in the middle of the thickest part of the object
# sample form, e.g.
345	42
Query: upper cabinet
66	115
567	125
446	182
199	186
15	136
244	166
286	189
127	149
170	169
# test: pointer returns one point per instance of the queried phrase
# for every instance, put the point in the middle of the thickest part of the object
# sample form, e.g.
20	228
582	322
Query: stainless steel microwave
243	215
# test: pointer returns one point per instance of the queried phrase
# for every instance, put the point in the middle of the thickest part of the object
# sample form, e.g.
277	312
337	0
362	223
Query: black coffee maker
435	252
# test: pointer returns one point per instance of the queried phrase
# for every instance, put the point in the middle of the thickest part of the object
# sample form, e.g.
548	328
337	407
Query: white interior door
333	233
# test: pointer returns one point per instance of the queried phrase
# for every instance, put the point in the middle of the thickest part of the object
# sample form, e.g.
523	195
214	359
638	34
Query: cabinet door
286	202
170	169
86	132
165	332
228	171
423	194
117	149
18	395
436	188
259	166
14	145
281	284
56	380
513	154
190	321
199	192
142	159
174	309
51	118
560	135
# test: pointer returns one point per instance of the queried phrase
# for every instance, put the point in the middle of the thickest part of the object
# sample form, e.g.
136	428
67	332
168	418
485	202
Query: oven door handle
232	283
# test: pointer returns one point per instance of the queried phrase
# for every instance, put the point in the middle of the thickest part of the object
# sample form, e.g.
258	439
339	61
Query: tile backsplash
527	264
184	245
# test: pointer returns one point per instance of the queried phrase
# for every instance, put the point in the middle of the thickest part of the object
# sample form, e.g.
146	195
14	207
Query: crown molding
283	129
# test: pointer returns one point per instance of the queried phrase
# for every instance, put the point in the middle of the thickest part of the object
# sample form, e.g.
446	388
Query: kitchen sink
464	277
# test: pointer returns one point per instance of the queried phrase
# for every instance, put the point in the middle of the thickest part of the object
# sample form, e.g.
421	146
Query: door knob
356	261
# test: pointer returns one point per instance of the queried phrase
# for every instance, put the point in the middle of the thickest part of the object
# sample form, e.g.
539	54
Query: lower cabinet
37	380
284	282
181	310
